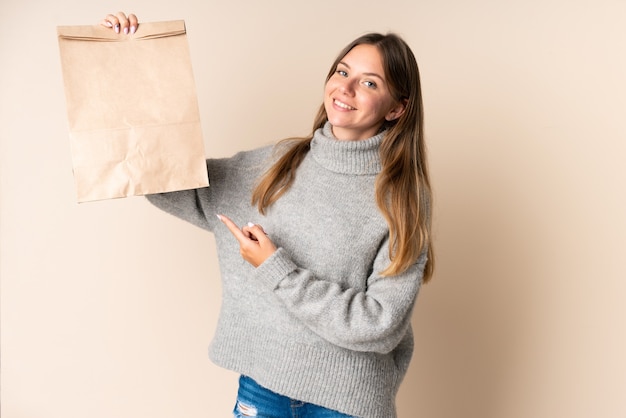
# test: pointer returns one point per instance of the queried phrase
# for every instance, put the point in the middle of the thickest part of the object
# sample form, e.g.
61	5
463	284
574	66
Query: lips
343	105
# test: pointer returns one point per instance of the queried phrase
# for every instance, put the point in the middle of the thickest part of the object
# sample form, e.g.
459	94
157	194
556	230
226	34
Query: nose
347	87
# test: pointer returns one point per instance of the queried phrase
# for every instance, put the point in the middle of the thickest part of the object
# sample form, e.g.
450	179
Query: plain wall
107	308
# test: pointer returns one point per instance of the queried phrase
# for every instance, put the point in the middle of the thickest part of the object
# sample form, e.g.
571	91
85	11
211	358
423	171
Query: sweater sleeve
231	181
189	205
373	320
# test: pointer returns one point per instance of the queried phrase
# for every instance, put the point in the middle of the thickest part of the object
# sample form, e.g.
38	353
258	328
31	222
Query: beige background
107	308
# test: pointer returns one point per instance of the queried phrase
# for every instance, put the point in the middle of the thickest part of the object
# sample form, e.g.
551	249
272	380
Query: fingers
254	232
121	23
134	23
233	228
254	245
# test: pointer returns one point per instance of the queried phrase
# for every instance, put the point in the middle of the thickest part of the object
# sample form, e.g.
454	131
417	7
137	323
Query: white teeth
343	105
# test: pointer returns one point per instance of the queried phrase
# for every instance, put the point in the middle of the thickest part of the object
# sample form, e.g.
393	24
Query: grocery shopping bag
132	110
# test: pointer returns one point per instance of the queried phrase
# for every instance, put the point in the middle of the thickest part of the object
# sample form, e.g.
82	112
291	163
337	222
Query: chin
336	120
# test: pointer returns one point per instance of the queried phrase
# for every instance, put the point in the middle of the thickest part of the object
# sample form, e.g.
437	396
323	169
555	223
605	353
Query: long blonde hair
403	192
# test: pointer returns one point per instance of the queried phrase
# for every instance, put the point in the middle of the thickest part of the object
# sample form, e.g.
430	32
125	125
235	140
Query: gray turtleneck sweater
315	322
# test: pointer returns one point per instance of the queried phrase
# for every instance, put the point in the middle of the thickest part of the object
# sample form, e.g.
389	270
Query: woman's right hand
121	23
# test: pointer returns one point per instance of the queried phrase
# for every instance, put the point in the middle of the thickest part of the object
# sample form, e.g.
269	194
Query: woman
317	318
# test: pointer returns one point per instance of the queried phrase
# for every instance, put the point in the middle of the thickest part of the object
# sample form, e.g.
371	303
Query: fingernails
109	24
219	217
133	29
125	31
117	28
250	224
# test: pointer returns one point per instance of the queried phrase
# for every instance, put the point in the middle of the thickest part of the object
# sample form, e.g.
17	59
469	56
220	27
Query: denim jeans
253	400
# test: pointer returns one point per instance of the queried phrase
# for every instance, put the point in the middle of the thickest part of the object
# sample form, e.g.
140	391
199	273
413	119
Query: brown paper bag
132	108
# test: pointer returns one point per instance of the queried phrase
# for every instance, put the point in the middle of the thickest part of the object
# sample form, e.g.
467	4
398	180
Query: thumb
255	232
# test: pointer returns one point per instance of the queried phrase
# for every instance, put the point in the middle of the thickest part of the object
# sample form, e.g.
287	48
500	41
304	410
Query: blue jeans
253	400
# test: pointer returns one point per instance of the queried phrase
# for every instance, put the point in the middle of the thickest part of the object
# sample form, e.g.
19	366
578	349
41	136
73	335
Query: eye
342	73
370	84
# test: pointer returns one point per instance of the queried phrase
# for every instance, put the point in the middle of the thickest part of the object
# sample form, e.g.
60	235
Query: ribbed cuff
276	268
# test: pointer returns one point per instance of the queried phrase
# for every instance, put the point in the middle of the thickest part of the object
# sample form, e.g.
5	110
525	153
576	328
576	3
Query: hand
254	244
121	23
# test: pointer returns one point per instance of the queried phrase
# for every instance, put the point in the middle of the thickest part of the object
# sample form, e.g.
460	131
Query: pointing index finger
232	227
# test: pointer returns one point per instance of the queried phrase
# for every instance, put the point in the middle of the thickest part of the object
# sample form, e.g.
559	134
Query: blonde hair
403	191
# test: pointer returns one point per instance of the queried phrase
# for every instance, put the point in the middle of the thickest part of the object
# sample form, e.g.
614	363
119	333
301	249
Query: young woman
336	240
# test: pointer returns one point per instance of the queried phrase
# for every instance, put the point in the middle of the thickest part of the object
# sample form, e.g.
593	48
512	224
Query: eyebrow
368	74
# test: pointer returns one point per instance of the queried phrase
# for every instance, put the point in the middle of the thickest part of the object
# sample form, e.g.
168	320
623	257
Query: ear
396	111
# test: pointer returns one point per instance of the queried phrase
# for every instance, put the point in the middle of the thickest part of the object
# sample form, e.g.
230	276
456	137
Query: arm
375	319
189	205
232	180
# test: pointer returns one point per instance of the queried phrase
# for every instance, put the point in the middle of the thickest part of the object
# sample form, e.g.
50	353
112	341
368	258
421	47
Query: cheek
327	93
384	106
376	107
329	90
329	87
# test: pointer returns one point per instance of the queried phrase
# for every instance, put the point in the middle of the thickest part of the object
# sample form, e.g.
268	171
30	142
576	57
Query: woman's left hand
254	244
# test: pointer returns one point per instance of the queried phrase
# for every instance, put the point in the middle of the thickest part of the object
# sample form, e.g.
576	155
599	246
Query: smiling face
357	98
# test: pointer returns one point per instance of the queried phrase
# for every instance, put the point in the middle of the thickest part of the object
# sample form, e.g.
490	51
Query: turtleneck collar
346	157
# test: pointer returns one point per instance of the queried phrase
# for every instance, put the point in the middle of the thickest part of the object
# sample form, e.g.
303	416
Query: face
357	98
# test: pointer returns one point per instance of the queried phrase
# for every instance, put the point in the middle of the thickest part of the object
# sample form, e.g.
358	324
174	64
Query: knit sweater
316	321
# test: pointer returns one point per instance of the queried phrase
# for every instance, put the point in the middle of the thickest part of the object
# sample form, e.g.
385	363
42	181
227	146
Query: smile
343	105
